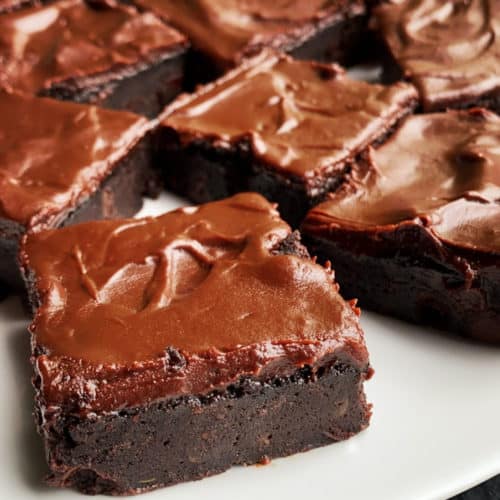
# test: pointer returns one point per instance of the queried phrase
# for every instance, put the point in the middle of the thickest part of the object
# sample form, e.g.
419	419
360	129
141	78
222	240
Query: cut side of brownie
168	349
449	50
224	32
416	233
284	128
62	163
100	53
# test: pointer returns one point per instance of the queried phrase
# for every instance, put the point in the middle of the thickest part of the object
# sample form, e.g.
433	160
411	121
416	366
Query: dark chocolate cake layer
165	323
191	438
416	231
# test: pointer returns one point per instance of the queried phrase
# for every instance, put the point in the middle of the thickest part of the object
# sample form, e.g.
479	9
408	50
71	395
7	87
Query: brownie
224	32
287	129
449	50
415	234
62	163
185	344
100	53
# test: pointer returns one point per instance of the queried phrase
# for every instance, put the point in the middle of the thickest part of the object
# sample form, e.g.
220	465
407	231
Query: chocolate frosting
299	117
54	154
44	45
230	29
137	310
449	48
440	173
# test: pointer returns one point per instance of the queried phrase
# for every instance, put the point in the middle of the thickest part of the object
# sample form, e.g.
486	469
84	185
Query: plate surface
435	428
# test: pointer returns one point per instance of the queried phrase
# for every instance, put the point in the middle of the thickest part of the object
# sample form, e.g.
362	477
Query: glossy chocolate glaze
440	173
136	310
228	30
44	45
449	48
53	154
300	118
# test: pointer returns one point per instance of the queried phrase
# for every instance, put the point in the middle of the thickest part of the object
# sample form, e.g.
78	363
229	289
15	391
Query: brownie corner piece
421	38
187	343
415	235
102	53
285	128
63	163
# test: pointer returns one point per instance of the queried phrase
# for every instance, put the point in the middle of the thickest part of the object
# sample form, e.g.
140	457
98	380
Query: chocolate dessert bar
185	344
224	32
449	49
100	53
62	163
416	233
284	128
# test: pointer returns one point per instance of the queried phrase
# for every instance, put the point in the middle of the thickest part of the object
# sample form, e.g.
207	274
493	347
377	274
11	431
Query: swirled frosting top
181	304
439	171
43	45
229	29
299	117
449	48
54	154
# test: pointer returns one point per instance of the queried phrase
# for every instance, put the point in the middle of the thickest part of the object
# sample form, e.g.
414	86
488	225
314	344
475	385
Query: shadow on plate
32	466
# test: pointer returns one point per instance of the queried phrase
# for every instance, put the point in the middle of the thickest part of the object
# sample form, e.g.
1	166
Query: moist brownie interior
172	331
415	233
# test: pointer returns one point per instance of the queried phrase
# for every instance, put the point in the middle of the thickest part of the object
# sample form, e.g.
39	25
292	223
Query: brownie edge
195	437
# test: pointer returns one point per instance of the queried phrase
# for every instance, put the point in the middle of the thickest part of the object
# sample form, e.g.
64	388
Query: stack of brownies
168	349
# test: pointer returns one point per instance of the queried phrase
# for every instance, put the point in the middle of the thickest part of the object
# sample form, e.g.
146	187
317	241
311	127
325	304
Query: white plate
435	428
